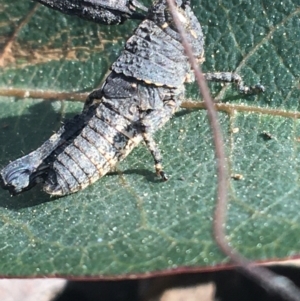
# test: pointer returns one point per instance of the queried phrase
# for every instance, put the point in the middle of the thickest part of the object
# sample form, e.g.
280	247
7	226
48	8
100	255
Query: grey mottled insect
144	89
100	11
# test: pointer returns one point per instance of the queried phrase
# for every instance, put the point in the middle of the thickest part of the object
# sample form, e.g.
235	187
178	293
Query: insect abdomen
107	138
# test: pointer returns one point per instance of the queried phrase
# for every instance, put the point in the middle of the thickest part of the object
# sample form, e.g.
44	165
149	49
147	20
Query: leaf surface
129	222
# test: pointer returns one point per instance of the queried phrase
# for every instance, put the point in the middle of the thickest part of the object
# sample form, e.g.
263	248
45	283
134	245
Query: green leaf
130	222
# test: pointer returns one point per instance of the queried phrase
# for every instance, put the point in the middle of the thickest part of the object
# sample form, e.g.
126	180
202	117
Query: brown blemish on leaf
19	55
7	54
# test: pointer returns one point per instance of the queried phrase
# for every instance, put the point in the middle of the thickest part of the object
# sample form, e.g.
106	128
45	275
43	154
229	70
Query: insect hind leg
155	152
230	77
153	121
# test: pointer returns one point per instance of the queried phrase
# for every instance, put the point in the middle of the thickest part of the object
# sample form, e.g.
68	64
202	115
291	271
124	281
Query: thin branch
188	104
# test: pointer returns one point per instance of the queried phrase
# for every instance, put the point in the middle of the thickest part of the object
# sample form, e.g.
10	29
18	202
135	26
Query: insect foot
143	91
99	11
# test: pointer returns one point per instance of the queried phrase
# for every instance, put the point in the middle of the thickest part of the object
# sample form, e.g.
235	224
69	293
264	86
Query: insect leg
100	11
230	77
155	152
150	123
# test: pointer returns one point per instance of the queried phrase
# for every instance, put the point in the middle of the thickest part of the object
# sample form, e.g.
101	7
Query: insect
100	11
142	92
